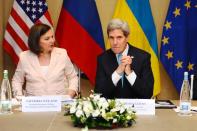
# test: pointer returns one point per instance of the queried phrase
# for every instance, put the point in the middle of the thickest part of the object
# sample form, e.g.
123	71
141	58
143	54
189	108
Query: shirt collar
125	52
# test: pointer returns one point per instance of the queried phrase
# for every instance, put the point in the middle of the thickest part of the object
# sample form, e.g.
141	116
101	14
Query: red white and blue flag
24	14
79	32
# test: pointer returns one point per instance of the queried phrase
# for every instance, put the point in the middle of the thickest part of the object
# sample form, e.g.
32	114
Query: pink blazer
60	73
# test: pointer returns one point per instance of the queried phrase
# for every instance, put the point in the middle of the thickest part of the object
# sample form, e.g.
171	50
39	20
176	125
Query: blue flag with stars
179	45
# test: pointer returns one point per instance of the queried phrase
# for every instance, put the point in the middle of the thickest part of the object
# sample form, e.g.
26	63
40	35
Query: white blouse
44	70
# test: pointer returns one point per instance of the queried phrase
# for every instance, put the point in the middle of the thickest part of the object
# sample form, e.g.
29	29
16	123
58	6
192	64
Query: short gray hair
118	24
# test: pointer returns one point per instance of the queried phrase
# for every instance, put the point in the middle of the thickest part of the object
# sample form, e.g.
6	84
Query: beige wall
106	9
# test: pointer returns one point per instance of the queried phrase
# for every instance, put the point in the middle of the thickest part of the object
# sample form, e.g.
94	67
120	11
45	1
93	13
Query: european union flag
179	45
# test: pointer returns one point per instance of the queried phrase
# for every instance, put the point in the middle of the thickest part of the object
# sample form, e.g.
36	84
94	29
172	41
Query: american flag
24	14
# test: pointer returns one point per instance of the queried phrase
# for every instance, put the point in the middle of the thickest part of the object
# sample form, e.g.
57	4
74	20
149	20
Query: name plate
141	106
41	103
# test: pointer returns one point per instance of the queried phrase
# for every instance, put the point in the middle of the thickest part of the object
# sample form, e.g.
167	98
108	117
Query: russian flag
79	32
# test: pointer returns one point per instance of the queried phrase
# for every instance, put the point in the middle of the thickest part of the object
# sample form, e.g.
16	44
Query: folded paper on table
41	103
141	106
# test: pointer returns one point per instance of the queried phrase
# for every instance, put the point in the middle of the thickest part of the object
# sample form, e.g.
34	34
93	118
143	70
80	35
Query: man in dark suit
123	71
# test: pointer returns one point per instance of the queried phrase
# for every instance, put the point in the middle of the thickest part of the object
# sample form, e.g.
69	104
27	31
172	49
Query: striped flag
143	33
24	14
79	32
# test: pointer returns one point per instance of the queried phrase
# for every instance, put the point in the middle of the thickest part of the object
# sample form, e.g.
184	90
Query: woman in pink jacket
44	69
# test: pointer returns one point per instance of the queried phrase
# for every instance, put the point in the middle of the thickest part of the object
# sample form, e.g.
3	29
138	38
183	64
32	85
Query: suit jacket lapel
132	53
54	57
113	63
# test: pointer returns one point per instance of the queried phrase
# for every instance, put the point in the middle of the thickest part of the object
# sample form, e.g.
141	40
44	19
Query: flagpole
79	84
191	88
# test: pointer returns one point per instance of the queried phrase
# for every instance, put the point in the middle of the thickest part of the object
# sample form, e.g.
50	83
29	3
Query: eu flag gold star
190	66
168	25
165	40
169	54
179	64
176	12
188	4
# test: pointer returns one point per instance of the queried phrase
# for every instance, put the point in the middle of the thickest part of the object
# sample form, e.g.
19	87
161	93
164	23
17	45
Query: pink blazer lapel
53	60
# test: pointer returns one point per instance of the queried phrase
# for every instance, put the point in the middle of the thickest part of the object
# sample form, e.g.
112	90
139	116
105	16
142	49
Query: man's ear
127	38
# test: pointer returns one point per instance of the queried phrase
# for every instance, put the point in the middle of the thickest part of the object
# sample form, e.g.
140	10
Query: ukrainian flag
143	33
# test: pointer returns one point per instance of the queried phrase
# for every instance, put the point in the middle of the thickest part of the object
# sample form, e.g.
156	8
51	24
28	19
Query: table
164	120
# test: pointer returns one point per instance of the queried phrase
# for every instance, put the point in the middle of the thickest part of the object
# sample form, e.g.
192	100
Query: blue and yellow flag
143	33
179	46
